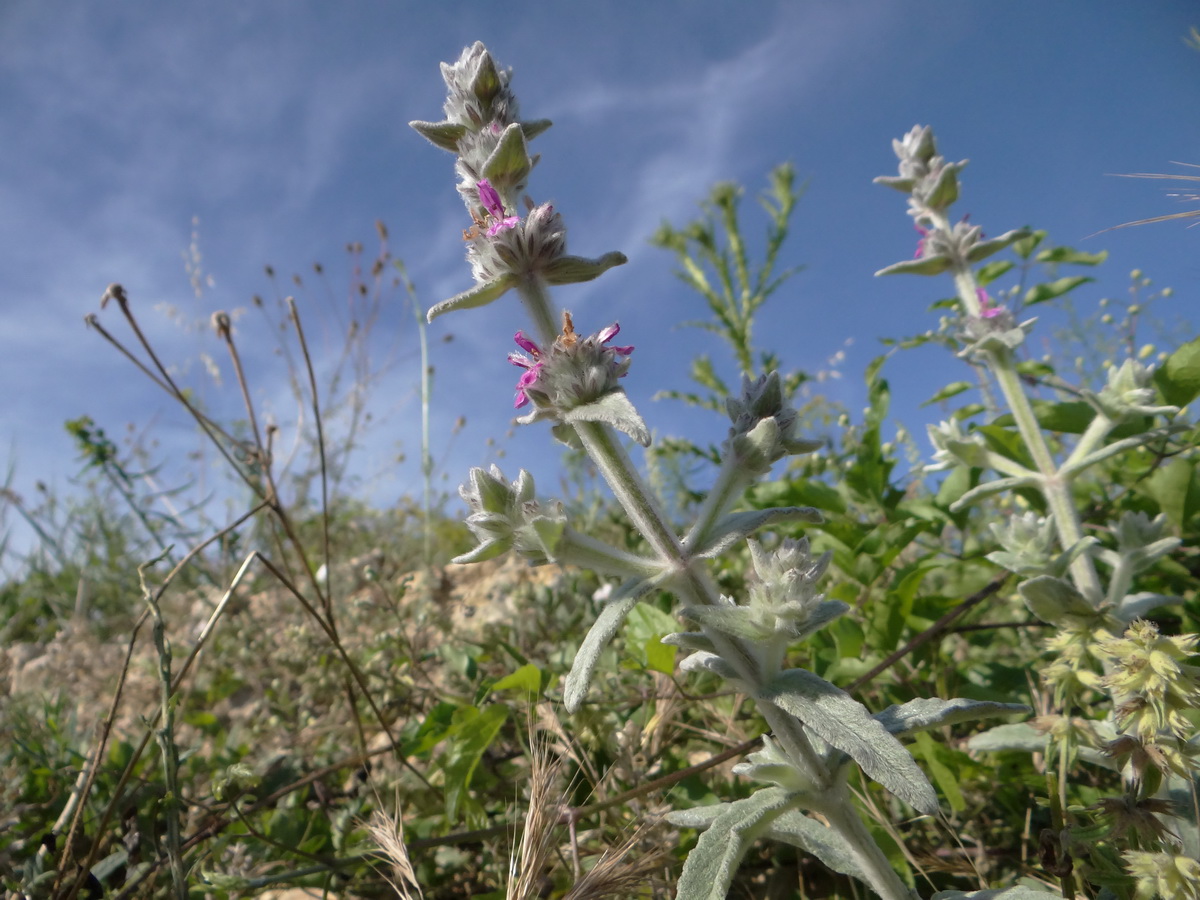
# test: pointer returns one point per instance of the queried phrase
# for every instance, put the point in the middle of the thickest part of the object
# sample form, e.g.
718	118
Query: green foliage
316	701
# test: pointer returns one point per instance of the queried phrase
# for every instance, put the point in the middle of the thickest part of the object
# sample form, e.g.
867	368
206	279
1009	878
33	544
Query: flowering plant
818	731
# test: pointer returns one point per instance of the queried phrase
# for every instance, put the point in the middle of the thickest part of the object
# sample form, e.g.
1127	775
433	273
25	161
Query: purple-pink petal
527	380
526	344
921	243
502	224
987	309
489	198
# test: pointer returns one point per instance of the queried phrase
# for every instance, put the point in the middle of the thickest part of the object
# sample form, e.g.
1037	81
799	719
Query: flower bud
785	594
1128	393
954	448
762	424
505	516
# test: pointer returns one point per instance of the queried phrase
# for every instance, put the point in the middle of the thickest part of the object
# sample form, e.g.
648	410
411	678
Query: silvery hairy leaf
703	661
984	249
690	640
734	621
508	165
926	265
614	409
607	624
736	527
844	723
1134	606
1016	892
576	269
710	867
440	134
1053	599
905	719
480	295
793	827
1024	737
999	341
822	614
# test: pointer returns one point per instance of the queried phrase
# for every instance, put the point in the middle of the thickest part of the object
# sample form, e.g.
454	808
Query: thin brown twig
357	674
316	406
210	427
931	632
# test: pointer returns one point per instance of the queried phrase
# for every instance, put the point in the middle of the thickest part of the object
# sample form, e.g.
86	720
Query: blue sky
281	129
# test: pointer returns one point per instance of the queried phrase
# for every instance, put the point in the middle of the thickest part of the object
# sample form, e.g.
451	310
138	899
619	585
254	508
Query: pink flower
495	208
987	309
532	365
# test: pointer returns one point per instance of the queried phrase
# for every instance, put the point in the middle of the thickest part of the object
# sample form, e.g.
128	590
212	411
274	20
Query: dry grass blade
527	867
618	873
388	833
1188	196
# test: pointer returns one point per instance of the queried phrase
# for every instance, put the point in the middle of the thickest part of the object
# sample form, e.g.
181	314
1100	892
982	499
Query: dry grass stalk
617	874
528	865
388	833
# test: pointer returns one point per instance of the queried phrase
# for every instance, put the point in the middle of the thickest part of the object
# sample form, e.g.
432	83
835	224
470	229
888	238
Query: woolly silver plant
573	382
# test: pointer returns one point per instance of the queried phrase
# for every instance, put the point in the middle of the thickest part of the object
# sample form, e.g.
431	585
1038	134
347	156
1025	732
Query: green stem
609	456
541	309
172	802
731	481
1055	487
426	453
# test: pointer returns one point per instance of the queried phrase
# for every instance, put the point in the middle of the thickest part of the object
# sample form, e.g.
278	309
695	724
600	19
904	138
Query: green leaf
844	723
928	265
1179	377
951	390
659	656
943	776
472	735
1069	417
1070	255
435	727
988	273
710	867
1035	368
1040	293
1176	489
800	492
527	679
1025	246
